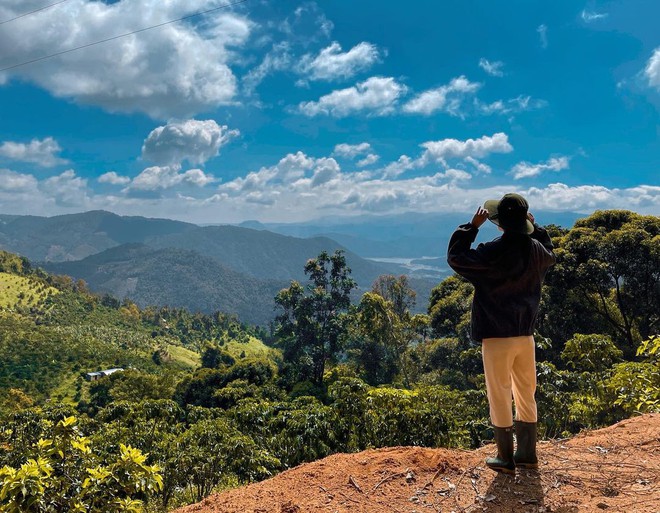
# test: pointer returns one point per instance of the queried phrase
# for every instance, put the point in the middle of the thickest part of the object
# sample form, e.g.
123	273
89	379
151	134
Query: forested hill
265	254
176	278
76	236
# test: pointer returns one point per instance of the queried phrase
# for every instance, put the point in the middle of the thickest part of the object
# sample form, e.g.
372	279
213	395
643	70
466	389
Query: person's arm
461	258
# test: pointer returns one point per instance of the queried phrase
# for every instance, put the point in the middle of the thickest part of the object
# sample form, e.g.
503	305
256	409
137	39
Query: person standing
507	274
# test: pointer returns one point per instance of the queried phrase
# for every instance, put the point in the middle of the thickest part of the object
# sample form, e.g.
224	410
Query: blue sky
289	110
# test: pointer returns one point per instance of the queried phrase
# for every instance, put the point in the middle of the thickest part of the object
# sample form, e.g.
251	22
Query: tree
609	265
382	338
449	309
396	290
311	328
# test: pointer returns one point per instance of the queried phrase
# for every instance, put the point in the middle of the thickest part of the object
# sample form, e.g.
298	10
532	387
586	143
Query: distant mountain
175	277
267	255
76	236
408	235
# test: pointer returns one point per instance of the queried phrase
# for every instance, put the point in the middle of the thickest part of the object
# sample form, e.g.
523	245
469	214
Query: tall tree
311	327
397	290
611	262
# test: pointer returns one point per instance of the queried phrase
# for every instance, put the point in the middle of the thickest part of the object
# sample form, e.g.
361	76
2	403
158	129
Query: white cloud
526	170
543	35
492	68
164	177
176	70
42	152
589	16
332	64
191	140
288	169
326	169
441	151
113	178
66	189
394	169
479	167
511	106
352	150
278	59
455	175
652	70
11	181
447	98
375	96
372	158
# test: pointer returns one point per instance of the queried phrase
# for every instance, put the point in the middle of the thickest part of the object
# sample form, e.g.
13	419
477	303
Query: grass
186	358
18	291
254	347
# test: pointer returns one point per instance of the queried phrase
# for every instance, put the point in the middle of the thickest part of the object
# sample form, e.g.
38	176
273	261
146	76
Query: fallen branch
391	476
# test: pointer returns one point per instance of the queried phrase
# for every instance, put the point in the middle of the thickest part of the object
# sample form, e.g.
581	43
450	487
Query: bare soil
611	469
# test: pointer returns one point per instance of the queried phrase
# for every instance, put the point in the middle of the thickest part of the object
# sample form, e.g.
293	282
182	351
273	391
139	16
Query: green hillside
18	291
176	278
264	254
53	332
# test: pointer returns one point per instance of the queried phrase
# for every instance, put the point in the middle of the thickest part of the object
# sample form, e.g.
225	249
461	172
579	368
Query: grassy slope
21	291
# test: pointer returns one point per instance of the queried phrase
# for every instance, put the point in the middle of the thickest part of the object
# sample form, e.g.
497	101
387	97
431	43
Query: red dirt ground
612	469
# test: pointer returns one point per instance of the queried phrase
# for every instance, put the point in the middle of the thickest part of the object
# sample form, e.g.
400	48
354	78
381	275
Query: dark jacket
507	274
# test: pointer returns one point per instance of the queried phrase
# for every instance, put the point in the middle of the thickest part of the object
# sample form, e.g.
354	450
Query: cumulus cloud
11	181
325	170
478	166
351	150
543	35
455	175
589	16
526	170
394	169
113	178
376	96
177	70
191	140
372	158
287	170
41	152
66	189
164	177
447	98
652	70
492	68
332	64
441	151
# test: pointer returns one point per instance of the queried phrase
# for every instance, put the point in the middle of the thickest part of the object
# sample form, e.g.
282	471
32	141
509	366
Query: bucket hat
510	213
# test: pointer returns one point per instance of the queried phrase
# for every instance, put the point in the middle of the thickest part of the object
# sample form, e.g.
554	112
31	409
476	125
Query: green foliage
608	265
637	385
65	475
449	309
381	334
591	353
311	328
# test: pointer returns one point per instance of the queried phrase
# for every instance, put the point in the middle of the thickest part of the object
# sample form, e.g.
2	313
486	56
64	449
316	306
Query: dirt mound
612	469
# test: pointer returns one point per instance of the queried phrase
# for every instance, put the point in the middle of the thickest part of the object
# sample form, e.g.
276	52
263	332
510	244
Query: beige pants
510	369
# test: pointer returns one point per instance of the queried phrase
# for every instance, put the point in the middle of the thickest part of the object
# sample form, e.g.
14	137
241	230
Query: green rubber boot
503	462
525	456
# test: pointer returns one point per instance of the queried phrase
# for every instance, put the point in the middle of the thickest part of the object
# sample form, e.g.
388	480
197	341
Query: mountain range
235	269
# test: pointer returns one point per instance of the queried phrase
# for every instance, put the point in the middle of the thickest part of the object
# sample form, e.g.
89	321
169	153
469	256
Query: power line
32	12
122	35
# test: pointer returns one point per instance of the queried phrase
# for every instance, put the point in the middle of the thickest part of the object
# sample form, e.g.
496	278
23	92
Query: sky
295	110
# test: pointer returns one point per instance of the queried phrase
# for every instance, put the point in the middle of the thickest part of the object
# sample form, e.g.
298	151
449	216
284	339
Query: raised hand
480	217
